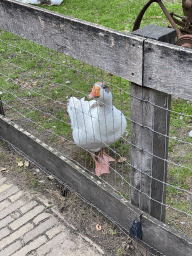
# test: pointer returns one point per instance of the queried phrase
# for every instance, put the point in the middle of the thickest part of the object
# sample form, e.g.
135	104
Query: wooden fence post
150	127
1	105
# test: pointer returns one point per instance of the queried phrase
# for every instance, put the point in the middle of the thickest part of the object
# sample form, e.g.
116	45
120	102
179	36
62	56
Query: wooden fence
147	63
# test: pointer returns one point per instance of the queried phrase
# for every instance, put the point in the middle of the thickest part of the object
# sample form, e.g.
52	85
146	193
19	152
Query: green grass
115	14
37	83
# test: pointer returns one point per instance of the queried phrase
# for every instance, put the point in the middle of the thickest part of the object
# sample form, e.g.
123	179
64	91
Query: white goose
49	2
96	124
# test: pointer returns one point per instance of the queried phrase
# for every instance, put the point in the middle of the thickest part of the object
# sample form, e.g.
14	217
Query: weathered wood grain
155	233
149	151
107	49
168	68
150	115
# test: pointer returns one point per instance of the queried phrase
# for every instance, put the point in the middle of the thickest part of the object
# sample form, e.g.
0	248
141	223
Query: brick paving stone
16	196
63	246
28	216
15	215
29	223
14	236
66	244
54	231
4	232
11	249
2	180
11	208
41	228
32	246
8	193
86	251
51	244
5	187
28	206
6	221
41	217
4	204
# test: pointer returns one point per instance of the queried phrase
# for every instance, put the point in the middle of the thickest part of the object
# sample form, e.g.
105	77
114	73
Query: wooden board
168	68
150	115
107	49
155	233
149	149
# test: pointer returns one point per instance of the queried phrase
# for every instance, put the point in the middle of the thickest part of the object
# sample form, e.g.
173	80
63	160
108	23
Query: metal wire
47	172
36	96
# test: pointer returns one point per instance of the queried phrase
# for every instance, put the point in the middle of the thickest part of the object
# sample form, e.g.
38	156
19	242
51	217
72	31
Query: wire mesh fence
37	85
36	88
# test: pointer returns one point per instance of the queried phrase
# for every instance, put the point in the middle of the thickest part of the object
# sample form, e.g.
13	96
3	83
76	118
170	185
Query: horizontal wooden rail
107	49
155	233
156	65
168	68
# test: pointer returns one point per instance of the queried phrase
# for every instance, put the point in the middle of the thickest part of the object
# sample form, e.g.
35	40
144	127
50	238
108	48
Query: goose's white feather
96	123
50	2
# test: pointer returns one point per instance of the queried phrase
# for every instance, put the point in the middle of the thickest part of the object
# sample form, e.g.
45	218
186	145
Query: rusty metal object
184	22
184	34
140	16
185	41
186	4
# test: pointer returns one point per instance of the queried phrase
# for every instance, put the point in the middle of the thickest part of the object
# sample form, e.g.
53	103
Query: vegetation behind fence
64	58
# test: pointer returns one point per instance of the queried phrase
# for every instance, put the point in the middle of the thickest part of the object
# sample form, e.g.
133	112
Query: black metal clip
1	106
136	229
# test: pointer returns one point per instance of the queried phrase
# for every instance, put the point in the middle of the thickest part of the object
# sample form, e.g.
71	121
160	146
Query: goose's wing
113	126
79	111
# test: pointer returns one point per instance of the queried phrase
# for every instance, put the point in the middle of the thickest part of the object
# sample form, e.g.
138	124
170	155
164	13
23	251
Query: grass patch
37	82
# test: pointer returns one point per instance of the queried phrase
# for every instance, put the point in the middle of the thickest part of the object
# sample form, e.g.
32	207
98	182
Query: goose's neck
106	101
105	106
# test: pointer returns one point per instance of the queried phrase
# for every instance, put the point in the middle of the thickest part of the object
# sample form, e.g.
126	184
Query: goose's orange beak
95	93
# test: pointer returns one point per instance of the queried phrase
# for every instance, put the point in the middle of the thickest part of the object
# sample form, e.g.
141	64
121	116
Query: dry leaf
2	169
98	227
50	177
26	163
122	159
20	164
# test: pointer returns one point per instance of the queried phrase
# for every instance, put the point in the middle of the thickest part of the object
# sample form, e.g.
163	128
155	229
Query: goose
96	124
50	2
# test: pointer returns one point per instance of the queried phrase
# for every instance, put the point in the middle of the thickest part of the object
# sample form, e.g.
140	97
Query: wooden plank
150	115
155	233
167	68
149	150
107	49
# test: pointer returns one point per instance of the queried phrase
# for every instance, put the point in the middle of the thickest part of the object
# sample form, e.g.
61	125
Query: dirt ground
82	216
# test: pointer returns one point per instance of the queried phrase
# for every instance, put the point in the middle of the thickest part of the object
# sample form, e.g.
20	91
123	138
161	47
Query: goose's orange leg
102	164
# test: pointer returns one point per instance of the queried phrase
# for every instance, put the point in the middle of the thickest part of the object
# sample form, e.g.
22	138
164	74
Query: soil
86	219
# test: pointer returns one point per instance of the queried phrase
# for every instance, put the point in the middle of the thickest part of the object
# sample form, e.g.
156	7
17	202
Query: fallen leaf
98	227
50	177
122	159
26	163
2	169
20	164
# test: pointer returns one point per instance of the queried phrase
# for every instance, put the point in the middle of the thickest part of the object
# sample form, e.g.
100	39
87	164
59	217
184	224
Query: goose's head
101	93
